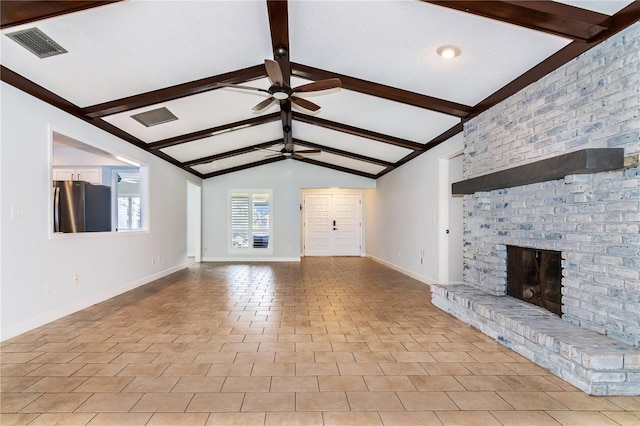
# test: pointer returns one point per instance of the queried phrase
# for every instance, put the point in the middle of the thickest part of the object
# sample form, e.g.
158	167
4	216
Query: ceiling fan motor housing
280	92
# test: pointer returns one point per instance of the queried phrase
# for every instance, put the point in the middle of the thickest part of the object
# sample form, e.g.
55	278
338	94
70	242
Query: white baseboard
40	320
241	259
421	278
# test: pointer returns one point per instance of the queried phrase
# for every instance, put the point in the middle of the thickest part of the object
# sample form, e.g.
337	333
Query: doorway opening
450	229
194	222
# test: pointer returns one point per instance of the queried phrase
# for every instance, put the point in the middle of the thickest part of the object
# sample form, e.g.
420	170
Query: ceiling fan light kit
280	95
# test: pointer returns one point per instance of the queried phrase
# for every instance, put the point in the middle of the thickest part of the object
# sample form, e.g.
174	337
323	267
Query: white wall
286	179
107	264
402	215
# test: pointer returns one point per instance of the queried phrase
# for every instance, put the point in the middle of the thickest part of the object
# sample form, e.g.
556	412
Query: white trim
48	317
241	259
421	278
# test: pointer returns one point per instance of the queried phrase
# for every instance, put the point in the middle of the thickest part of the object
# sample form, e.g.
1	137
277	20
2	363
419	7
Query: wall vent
37	42
154	117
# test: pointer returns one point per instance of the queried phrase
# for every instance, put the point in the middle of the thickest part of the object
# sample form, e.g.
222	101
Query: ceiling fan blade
330	83
262	105
279	151
304	103
297	157
238	86
308	151
273	72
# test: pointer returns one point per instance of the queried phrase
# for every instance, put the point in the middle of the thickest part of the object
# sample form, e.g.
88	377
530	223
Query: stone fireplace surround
593	219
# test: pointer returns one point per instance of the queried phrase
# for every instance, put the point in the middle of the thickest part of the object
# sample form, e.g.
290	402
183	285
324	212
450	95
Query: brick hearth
595	364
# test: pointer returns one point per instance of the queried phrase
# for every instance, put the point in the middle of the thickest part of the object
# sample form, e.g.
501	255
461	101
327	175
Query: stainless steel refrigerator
81	207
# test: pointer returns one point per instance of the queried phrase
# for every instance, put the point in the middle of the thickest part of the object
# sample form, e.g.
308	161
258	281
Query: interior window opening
94	190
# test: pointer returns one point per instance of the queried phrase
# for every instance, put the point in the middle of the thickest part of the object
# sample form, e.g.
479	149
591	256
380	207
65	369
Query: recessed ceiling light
448	52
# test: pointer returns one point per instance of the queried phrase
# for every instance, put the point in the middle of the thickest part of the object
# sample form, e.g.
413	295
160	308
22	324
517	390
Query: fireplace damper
535	276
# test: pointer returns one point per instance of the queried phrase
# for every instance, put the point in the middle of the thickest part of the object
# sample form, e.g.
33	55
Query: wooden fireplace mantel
585	161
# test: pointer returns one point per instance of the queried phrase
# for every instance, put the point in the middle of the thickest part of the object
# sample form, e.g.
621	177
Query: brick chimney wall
594	220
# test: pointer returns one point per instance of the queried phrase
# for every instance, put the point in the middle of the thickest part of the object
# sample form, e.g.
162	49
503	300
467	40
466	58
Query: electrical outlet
76	279
18	212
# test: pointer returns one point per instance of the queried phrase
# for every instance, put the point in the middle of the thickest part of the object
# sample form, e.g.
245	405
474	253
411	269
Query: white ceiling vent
37	42
154	117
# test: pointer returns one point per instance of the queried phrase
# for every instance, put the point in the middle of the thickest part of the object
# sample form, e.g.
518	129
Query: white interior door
347	225
332	224
317	224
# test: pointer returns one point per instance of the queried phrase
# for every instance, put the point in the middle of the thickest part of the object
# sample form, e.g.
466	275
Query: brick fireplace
593	219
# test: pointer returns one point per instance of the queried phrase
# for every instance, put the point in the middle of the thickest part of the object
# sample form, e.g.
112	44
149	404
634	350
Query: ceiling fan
281	91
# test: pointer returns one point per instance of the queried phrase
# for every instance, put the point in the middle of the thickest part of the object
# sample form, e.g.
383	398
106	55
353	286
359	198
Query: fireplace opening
535	276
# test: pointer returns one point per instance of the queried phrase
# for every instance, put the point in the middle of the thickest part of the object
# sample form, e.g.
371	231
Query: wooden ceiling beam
335	167
383	91
342	153
213	131
278	11
356	131
173	92
243	167
19	82
619	21
22	12
232	153
443	137
545	16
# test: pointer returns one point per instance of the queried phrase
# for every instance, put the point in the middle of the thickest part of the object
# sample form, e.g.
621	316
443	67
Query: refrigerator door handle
56	209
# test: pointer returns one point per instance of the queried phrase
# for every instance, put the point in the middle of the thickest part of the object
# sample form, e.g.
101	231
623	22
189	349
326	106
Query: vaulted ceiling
398	97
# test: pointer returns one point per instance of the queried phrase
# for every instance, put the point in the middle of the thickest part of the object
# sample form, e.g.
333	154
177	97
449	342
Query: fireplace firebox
535	276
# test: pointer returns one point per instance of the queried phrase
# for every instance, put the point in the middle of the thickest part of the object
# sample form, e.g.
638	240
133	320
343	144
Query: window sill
81	235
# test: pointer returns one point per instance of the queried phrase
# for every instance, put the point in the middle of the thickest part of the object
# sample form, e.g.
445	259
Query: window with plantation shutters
250	220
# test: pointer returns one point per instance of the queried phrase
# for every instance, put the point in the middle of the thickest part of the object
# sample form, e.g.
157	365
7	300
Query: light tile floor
334	341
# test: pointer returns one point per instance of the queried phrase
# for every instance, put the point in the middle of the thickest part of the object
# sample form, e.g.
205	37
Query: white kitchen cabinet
91	175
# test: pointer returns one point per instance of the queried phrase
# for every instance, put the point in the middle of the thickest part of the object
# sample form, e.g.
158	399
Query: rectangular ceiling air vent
154	117
37	42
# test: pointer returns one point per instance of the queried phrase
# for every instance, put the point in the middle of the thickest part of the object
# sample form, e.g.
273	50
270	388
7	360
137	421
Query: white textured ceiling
133	47
129	48
395	43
